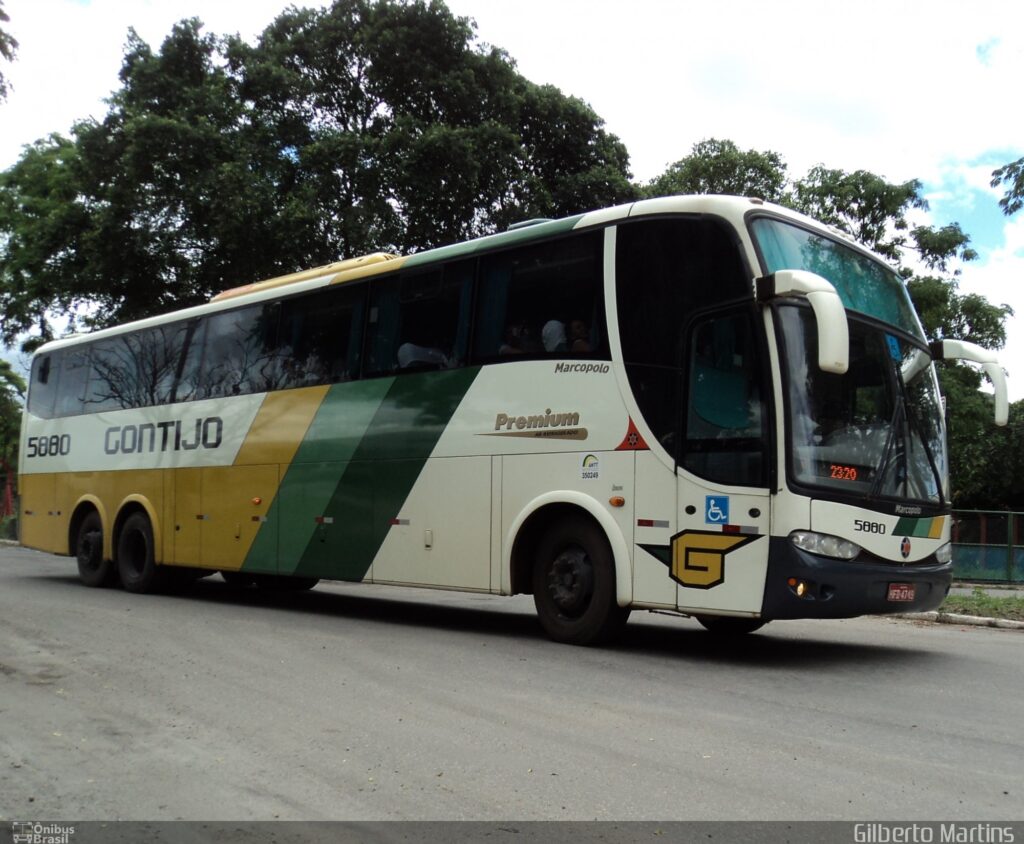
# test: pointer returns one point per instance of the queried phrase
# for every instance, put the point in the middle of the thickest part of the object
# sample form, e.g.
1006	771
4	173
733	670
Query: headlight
824	544
945	553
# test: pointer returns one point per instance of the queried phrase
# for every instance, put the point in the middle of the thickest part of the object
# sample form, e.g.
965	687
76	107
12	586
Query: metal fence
988	546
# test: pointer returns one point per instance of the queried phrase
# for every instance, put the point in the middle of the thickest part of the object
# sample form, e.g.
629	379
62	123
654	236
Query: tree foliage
12	394
367	125
717	166
1011	175
8	49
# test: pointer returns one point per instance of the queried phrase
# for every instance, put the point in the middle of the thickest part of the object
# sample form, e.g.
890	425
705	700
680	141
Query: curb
969	620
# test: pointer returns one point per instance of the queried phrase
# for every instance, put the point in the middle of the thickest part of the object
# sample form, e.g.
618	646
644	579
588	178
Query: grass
979	602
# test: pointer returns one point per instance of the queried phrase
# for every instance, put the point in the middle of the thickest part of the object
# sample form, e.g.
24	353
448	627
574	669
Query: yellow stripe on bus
936	530
280	426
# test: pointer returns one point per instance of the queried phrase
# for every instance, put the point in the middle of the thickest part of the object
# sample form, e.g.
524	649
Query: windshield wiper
916	429
883	466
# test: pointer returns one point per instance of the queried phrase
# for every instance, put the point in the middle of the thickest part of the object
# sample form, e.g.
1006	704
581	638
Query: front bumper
844	589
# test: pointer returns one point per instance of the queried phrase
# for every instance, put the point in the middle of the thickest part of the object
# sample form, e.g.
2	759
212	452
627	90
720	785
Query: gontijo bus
706	405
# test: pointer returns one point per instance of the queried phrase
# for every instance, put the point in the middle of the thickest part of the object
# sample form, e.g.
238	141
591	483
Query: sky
908	90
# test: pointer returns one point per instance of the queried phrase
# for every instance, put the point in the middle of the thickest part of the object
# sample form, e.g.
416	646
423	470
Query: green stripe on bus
495	241
370	488
309	482
909	526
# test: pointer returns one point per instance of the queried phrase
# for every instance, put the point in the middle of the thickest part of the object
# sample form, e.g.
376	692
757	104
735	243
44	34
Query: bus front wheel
135	559
93	570
574	584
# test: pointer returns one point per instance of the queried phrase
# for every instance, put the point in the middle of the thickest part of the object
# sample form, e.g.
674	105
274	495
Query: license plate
901	592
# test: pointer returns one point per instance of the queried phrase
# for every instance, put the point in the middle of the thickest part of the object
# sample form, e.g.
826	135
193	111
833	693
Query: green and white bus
705	405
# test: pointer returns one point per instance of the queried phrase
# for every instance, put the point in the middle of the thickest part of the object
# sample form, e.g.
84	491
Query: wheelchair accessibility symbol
716	509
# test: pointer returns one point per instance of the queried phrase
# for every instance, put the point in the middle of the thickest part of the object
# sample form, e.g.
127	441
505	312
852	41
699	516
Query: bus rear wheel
135	557
93	570
574	584
723	625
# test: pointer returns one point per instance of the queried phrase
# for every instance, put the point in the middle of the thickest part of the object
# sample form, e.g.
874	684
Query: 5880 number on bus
52	446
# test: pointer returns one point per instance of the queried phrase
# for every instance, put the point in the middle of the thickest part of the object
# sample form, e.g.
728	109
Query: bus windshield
863	284
875	431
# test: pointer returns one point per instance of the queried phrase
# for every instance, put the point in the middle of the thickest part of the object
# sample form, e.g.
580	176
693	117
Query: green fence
988	545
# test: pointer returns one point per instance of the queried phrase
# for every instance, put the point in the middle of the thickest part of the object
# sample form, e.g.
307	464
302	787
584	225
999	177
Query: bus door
720	550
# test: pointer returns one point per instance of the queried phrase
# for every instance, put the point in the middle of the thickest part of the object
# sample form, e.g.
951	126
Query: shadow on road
765	649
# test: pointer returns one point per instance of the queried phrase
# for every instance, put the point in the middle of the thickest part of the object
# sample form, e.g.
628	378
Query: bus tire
93	570
135	558
722	625
574	584
285	582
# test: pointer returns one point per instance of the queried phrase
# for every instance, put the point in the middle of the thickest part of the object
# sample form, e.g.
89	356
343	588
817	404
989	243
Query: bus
710	406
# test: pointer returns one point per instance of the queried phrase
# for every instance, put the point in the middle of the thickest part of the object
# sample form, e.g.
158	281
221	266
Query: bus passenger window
542	301
43	385
74	377
113	378
416	321
239	355
320	336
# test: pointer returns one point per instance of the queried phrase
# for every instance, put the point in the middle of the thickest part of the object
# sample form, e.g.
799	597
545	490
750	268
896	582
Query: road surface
358	702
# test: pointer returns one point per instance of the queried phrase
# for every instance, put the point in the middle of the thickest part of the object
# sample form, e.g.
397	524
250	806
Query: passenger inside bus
553	336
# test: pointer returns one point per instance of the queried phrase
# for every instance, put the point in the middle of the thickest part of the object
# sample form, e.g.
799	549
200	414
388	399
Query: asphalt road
358	702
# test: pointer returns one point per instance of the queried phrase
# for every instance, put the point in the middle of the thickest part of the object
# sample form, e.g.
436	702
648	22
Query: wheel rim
90	549
571	581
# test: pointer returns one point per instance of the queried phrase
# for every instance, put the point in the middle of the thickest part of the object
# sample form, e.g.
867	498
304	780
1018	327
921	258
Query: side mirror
962	350
829	313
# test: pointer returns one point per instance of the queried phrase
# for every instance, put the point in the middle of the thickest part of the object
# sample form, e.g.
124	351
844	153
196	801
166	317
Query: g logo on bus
905	547
696	558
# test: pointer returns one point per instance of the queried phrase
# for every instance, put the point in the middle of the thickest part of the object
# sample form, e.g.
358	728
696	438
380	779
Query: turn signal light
257	501
617	501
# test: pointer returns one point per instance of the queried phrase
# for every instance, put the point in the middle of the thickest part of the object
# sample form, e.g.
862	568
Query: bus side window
429	308
239	353
43	389
74	380
382	328
319	338
726	420
542	301
186	384
159	354
113	380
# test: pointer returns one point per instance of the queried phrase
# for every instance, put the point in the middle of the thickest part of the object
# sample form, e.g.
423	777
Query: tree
368	125
42	239
717	166
392	129
12	394
976	459
874	212
1011	175
8	48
